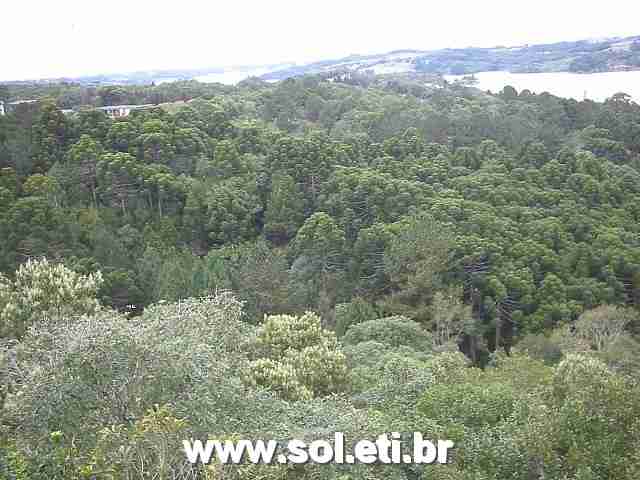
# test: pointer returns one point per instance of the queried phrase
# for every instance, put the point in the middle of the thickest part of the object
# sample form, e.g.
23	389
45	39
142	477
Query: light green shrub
298	358
392	331
44	290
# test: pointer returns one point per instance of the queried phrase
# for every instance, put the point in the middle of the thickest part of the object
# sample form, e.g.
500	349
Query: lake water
232	76
594	86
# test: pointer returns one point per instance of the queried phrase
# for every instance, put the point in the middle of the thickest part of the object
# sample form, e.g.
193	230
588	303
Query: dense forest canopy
457	262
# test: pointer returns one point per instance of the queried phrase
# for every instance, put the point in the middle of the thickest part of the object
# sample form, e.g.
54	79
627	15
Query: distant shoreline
598	86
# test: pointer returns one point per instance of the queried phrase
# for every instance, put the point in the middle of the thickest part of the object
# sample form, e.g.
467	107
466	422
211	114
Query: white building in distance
112	111
8	107
117	111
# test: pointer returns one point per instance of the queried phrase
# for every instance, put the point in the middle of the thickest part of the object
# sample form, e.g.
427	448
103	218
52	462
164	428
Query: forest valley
287	260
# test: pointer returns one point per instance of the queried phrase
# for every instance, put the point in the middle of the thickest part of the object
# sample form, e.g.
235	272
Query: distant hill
583	56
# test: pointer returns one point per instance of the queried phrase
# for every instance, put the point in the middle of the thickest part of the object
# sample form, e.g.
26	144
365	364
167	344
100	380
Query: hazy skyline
43	39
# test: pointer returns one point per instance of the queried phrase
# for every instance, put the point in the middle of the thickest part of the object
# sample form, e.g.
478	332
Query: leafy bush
41	290
604	325
351	313
299	360
373	365
469	405
280	377
280	333
622	356
595	411
392	331
83	375
143	449
540	347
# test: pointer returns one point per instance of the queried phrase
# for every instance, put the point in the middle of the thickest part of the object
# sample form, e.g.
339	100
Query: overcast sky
46	38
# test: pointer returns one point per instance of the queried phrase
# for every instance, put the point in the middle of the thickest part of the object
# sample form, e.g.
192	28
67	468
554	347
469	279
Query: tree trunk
473	350
536	469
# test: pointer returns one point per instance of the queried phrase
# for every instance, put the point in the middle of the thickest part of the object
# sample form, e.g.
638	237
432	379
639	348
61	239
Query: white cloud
73	37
